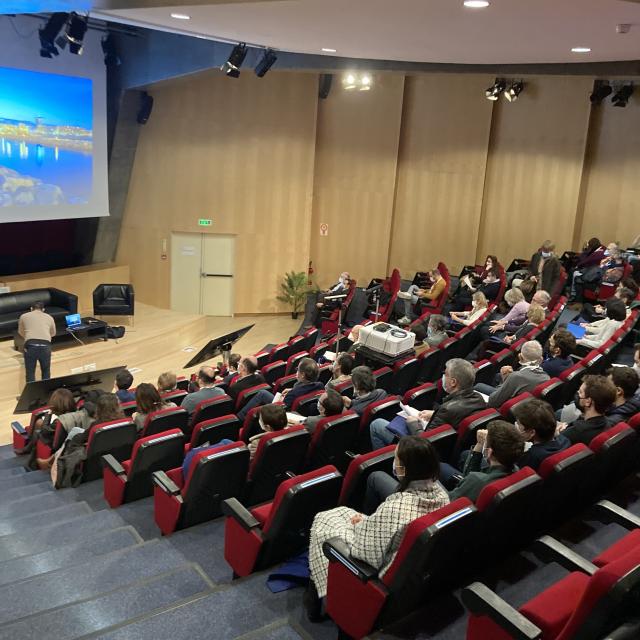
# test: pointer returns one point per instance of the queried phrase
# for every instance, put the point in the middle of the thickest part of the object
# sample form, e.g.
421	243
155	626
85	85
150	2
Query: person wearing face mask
587	267
341	370
375	538
544	268
627	402
364	390
460	401
316	301
435	332
526	378
272	417
598	332
594	397
329	404
487	282
479	306
415	294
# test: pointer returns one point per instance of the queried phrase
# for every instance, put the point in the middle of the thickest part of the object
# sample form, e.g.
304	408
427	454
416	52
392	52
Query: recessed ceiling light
581	49
327	50
180	16
476	4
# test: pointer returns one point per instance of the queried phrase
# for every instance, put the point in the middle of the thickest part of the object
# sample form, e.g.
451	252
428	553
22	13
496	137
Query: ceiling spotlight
328	50
349	81
581	50
365	82
76	28
512	93
476	4
180	16
232	66
493	92
266	62
111	57
49	32
621	97
600	91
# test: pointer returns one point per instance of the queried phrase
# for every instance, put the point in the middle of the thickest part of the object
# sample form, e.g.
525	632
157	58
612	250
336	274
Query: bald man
248	376
206	381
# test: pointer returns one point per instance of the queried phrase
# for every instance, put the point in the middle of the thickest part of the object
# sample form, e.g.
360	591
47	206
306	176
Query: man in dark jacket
544	268
562	344
364	390
460	402
627	402
248	376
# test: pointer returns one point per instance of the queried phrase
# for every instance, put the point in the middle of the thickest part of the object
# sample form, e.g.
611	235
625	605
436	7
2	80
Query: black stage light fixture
512	93
493	92
111	57
324	85
76	28
266	62
600	91
621	97
49	32
232	66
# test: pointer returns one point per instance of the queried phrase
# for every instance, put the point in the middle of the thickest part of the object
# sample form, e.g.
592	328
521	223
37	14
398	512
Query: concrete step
28	504
9	495
35	520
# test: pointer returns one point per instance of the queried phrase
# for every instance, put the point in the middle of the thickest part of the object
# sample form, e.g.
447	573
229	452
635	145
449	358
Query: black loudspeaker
146	106
324	85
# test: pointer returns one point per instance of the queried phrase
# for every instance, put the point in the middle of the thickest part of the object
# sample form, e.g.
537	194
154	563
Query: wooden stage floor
154	344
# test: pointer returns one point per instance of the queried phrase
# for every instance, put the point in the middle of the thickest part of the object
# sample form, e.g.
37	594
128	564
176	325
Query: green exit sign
205	222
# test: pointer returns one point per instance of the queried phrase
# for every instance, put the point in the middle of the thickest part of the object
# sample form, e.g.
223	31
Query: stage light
180	16
621	97
111	57
476	4
349	81
329	50
266	62
600	91
74	34
232	66
365	82
493	92
49	32
580	50
512	93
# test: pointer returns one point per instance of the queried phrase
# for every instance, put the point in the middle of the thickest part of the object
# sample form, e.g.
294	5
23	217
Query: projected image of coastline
46	139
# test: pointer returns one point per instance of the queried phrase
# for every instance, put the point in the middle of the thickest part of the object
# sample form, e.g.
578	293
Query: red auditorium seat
285	382
345	388
165	419
131	480
430	365
422	397
443	438
405	374
391	286
20	434
293	360
279	352
214	430
386	408
246	394
211	408
506	410
129	408
176	396
44	451
330	322
384	378
213	477
116	438
258	538
615	450
307	405
332	437
310	337
467	428
551	391
274	370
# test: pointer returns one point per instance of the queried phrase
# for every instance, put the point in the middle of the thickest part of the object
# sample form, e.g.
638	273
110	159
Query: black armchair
113	300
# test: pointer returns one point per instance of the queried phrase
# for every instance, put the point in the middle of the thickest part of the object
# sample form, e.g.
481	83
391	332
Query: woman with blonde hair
479	305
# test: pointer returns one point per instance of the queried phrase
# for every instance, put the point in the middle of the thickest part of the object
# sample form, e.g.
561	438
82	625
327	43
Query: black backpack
115	332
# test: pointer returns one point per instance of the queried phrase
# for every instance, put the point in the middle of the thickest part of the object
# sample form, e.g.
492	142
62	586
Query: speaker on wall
324	85
146	105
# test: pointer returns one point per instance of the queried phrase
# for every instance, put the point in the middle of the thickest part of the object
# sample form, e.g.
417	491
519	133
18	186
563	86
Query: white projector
386	338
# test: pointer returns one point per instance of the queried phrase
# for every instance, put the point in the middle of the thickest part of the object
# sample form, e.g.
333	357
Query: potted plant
294	291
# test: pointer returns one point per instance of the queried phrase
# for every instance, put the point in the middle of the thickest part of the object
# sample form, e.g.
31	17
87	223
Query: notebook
576	330
73	320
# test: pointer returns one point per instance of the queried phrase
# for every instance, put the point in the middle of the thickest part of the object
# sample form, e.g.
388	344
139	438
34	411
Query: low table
89	328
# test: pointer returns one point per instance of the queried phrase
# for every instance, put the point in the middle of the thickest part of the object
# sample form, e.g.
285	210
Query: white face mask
444	383
546	254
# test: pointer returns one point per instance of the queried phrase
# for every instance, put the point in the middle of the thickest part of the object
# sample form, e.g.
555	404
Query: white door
218	258
186	263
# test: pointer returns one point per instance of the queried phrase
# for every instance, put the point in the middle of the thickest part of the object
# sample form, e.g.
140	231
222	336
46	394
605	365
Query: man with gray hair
459	402
526	378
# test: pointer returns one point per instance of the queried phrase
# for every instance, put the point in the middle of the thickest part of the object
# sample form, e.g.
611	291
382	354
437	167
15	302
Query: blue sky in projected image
59	100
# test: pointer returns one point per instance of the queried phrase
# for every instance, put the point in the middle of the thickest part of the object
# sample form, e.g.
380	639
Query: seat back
405	373
293	360
129	408
246	394
384	378
444	439
307	405
332	437
116	437
215	430
285	382
212	408
551	391
325	372
345	388
616	453
572	378
279	352
422	397
386	408
278	452
164	420
274	370
508	407
430	364
309	339
468	427
154	453
176	396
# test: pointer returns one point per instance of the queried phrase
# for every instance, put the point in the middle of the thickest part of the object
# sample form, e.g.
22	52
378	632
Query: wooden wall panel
612	175
355	172
238	151
534	168
441	170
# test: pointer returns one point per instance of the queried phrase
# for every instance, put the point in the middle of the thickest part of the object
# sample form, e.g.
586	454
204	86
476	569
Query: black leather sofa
57	303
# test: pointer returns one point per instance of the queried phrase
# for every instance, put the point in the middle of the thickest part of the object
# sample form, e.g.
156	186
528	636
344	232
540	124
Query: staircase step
13	471
117	607
12	462
35	520
28	504
67	554
6	451
25	479
49	536
41	488
87	580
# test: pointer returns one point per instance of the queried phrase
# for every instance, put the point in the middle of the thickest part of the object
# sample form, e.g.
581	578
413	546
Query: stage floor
155	343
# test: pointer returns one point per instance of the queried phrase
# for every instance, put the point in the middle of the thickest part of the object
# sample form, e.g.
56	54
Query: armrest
551	550
110	462
19	429
234	509
290	474
609	513
164	482
481	601
351	455
64	299
336	550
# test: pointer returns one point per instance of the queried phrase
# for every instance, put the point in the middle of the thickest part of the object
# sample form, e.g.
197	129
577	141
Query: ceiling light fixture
621	97
232	66
266	62
365	82
49	32
328	50
349	81
601	90
476	4
76	28
493	92
180	16
512	93
581	50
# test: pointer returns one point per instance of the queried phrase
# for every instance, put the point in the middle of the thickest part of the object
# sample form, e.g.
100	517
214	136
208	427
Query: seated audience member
587	266
167	381
375	539
329	404
636	358
542	298
341	370
544	268
537	425
307	381
627	402
414	294
594	399
248	376
191	454
206	391
124	380
435	332
316	301
61	403
516	316
272	417
364	390
107	409
231	371
609	270
591	313
148	400
479	306
526	378
600	331
487	283
459	402
502	446
562	344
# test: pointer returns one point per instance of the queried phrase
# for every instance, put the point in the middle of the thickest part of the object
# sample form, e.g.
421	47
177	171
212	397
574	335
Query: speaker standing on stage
37	328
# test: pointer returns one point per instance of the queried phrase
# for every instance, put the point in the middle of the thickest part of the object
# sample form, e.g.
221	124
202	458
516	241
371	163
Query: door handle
217	275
